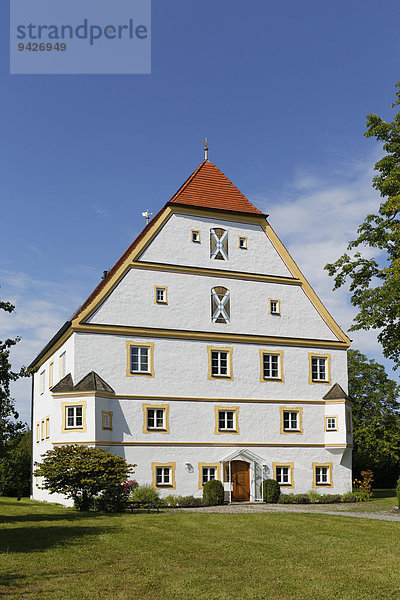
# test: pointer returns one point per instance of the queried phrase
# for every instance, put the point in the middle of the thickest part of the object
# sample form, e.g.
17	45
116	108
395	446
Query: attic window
195	236
218	244
160	295
243	243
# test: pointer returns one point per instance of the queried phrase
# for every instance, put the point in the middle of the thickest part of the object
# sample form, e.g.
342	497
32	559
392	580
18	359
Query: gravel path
337	510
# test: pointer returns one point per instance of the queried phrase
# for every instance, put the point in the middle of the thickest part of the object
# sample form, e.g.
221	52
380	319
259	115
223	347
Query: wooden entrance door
241	480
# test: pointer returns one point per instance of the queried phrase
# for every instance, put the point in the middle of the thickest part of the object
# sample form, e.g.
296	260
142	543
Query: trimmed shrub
190	502
294	499
213	492
169	500
330	498
314	497
144	493
349	497
398	492
270	491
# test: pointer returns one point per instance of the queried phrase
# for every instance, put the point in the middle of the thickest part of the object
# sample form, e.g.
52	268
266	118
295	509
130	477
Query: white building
204	353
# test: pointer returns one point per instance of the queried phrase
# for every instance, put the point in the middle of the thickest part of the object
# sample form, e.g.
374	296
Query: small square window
283	473
73	416
274	307
322	475
140	359
219	363
319	368
209	474
331	423
155	418
163	475
160	295
226	419
291	420
243	243
195	236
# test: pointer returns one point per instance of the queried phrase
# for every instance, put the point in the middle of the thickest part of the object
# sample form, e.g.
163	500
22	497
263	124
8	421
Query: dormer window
219	244
220	305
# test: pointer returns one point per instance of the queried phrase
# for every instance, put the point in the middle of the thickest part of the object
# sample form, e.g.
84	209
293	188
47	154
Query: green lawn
382	501
49	552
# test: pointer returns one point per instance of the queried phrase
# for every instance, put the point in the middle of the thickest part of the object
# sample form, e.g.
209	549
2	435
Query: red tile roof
208	187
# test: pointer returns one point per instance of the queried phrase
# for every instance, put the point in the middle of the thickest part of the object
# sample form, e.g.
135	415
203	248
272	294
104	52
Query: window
348	416
106	420
271	366
160	295
42	374
322	475
274	307
74	416
208	472
47	428
163	475
140	359
226	419
218	244
51	374
63	366
195	236
319	368
155	418
219	363
331	423
38	432
291	420
283	473
42	430
220	305
243	243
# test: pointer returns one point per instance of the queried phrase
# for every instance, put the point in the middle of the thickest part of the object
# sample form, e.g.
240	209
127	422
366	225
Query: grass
382	501
50	552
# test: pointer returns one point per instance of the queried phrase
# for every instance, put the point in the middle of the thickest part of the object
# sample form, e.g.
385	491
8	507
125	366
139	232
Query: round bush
270	490
144	493
213	492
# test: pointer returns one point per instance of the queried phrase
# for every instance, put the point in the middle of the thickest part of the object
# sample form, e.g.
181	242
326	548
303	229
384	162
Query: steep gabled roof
336	393
90	383
208	187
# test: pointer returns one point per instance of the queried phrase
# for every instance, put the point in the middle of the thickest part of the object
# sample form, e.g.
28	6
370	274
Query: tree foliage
9	425
81	473
376	417
15	466
375	284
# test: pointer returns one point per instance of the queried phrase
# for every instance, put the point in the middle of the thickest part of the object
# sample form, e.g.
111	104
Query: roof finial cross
205	144
147	214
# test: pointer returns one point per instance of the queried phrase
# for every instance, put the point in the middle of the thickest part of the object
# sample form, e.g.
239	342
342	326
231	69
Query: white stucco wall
189	306
173	245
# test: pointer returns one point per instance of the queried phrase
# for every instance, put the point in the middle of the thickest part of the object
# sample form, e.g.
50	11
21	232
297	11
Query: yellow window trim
235	409
63	354
38	432
160	287
64	405
329	465
278	306
166	418
192	231
216	466
228	377
327	381
279	353
42	380
171	485
149	345
242	237
348	417
331	417
110	417
291	468
51	374
42	430
297	409
47	427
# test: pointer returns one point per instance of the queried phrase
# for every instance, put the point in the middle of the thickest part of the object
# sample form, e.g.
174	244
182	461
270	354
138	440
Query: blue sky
281	90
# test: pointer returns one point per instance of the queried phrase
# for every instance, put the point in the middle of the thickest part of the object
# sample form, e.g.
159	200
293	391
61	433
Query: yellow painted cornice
203	444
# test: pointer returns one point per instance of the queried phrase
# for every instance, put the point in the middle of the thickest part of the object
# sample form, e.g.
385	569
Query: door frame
233	471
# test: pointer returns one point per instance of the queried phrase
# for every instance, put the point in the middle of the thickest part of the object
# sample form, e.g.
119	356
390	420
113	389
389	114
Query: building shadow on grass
42	516
38	539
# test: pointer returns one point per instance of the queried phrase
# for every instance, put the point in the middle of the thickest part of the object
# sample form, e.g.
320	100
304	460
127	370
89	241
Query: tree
82	473
9	425
376	418
375	284
15	466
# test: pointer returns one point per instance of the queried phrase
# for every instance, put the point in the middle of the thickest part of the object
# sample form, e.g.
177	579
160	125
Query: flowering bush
364	485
